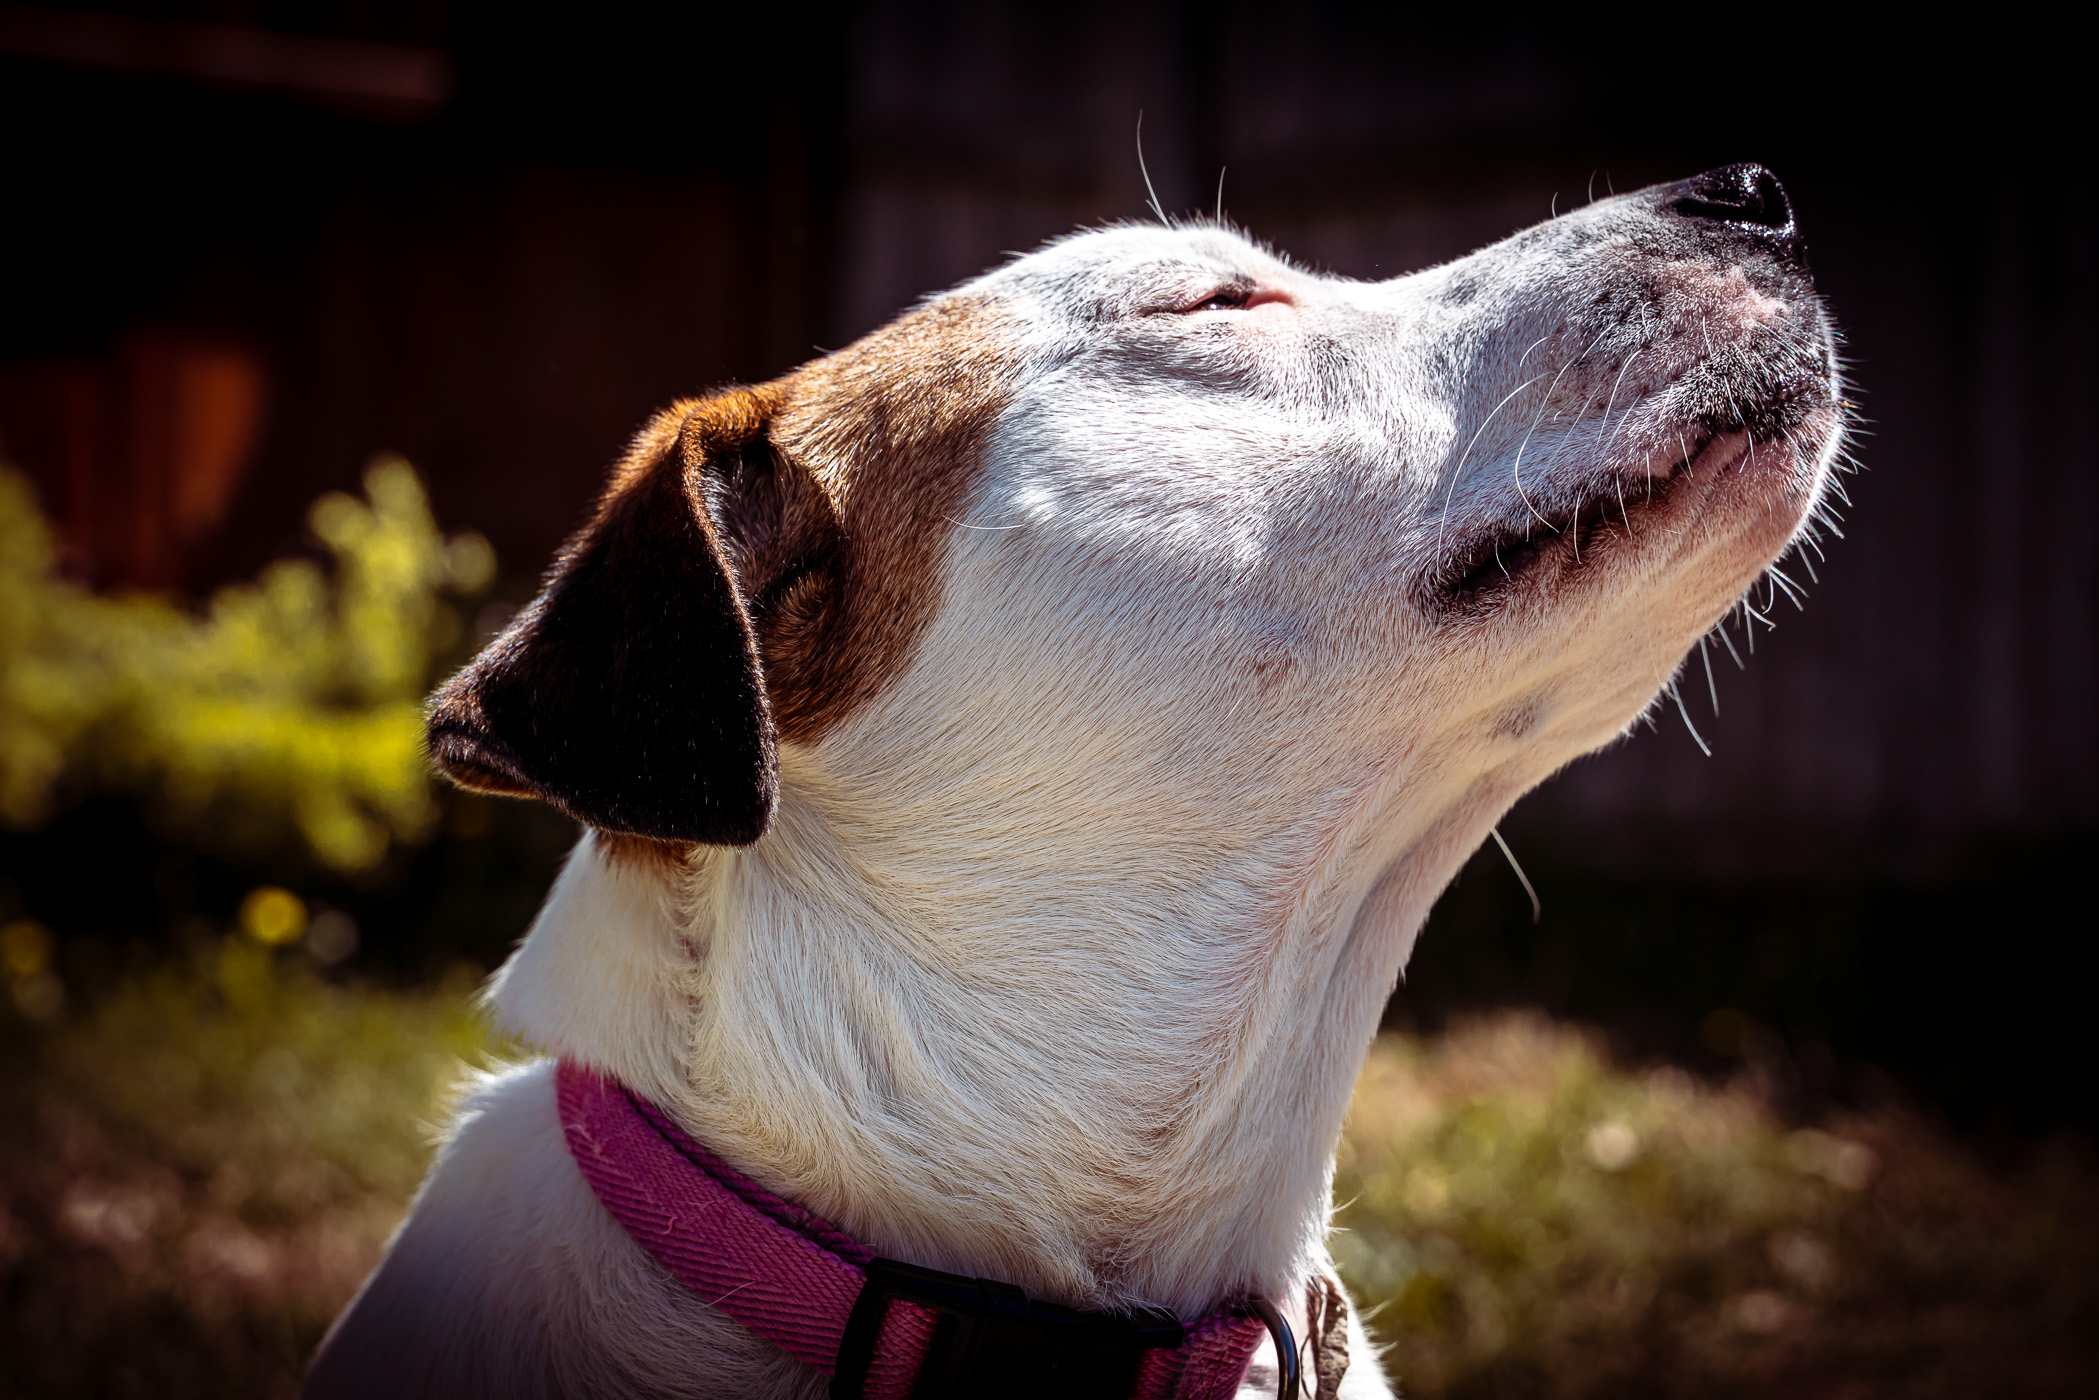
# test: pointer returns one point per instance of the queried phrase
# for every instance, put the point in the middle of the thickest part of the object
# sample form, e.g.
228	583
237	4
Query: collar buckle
993	1340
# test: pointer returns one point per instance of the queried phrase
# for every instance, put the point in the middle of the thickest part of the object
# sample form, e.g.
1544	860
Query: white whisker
1150	193
1460	470
1537	908
1676	694
1608	403
1729	643
1516	468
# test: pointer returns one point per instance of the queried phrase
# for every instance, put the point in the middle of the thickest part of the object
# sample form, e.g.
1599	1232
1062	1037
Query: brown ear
630	693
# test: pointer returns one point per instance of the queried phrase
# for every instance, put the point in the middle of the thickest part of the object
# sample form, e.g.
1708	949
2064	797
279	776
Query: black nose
1746	199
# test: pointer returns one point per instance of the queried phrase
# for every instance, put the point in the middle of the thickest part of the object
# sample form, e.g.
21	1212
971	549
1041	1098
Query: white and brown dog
1017	752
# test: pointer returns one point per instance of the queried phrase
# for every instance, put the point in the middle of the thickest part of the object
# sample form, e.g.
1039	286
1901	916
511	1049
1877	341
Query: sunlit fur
1063	951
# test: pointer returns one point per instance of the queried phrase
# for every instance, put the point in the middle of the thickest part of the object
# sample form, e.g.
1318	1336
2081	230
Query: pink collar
882	1330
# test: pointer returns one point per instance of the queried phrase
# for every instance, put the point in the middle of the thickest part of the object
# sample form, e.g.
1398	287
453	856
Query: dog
1017	752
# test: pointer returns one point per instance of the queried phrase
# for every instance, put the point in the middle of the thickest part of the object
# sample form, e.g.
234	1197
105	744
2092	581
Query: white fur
1061	956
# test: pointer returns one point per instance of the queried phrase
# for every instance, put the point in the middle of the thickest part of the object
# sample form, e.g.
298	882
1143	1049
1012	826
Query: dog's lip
1499	559
469	758
476	777
1496	560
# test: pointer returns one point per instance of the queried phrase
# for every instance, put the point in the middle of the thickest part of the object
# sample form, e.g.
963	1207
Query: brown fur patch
892	430
833	490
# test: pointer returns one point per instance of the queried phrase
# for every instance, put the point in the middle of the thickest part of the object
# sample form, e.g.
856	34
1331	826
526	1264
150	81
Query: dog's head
1152	521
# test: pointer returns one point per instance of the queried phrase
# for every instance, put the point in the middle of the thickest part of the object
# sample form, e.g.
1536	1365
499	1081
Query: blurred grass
212	1153
202	1165
1527	1219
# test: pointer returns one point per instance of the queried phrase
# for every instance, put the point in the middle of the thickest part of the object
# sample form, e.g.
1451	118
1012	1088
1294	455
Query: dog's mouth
1496	561
1611	512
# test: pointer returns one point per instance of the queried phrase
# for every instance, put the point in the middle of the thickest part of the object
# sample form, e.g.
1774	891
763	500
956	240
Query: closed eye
1224	299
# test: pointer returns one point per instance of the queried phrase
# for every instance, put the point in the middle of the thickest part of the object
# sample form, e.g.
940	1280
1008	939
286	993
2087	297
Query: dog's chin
1726	475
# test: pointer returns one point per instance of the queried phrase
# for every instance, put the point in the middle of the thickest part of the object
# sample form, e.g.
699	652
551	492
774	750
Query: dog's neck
1027	1075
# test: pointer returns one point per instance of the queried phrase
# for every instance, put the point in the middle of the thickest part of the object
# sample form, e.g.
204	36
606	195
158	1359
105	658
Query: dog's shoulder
508	1279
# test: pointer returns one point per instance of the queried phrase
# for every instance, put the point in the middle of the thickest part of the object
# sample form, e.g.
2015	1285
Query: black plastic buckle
993	1340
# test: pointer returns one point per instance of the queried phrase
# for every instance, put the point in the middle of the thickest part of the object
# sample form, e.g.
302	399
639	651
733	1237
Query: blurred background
321	322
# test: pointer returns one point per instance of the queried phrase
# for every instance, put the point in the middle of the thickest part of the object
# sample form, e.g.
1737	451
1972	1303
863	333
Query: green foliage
292	704
1527	1220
